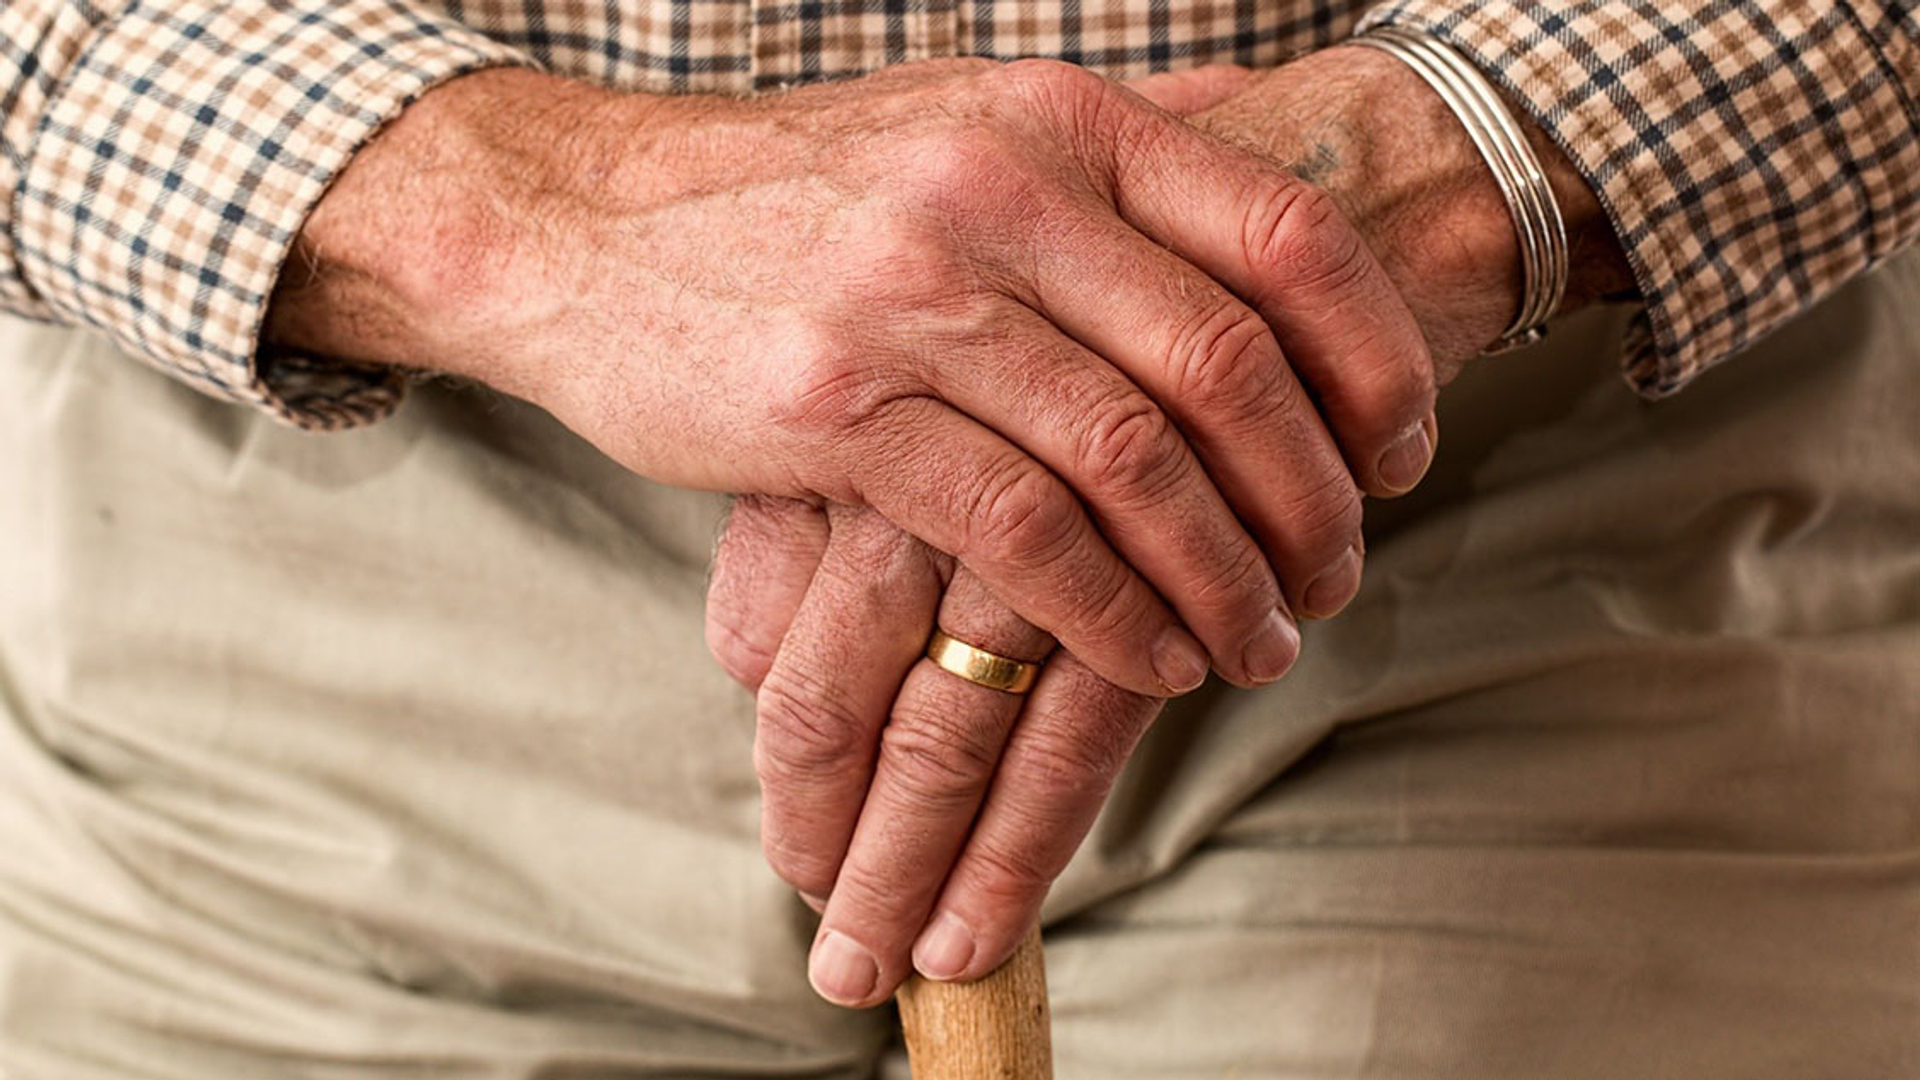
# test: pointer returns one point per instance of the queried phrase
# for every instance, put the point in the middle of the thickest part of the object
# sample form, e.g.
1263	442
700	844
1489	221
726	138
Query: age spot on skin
1318	165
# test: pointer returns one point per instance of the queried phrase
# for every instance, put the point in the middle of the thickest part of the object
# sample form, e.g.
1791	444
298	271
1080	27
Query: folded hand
927	815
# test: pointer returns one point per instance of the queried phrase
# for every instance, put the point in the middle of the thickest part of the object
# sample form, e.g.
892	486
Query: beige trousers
397	753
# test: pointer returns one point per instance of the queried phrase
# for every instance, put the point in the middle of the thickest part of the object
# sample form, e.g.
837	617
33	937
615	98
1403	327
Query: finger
866	616
765	558
1194	90
1150	496
1213	363
1282	245
1055	772
968	492
937	756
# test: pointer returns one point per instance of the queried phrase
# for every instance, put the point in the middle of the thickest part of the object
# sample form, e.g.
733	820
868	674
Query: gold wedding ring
980	667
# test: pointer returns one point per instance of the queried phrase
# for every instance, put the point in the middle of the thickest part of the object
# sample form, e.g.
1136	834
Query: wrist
434	248
1366	128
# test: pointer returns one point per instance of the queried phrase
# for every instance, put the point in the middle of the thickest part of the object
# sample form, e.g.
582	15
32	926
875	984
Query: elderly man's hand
1020	311
876	808
933	814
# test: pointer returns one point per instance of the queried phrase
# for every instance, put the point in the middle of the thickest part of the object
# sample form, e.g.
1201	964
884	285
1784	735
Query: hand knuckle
1386	396
896	266
959	170
1297	231
1076	762
1020	515
790	851
1076	102
803	734
1227	357
1131	447
1231	584
829	384
1011	875
867	890
1326	513
940	764
874	561
1110	614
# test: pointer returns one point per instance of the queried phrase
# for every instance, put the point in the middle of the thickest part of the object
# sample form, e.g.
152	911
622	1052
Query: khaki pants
397	753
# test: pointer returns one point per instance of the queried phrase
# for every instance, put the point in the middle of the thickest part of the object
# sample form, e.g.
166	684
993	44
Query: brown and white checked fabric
1751	155
161	154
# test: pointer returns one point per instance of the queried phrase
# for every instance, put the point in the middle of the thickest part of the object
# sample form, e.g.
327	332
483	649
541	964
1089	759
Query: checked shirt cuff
1751	156
180	152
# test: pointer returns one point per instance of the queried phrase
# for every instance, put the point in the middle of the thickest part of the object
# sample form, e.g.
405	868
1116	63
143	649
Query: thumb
1184	93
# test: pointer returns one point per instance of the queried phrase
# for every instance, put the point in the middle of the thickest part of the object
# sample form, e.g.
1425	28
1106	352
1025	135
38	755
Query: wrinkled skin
1018	310
1005	345
873	762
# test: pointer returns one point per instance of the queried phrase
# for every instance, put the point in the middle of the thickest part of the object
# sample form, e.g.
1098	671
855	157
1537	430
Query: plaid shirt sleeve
161	156
1752	154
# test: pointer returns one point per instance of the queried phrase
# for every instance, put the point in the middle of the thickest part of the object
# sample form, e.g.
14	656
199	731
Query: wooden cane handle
998	1028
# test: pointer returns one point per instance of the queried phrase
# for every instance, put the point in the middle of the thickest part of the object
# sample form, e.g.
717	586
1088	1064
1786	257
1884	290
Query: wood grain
998	1028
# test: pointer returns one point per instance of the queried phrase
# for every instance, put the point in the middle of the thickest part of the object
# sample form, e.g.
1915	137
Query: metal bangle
1523	182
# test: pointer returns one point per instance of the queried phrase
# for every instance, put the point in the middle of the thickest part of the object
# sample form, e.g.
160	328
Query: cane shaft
998	1028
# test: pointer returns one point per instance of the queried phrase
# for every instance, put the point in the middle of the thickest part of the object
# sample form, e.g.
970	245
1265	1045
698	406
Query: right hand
1031	318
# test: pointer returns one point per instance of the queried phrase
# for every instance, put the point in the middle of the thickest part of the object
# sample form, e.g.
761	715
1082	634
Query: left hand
929	816
885	778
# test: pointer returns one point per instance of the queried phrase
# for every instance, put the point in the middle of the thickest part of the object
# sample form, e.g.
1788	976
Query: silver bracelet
1503	145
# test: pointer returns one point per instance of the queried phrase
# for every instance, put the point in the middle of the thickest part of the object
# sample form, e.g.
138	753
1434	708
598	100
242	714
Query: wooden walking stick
998	1028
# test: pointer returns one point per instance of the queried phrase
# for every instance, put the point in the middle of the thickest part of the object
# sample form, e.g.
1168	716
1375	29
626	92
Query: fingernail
1406	461
945	949
1179	660
817	903
1273	648
841	971
1334	588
